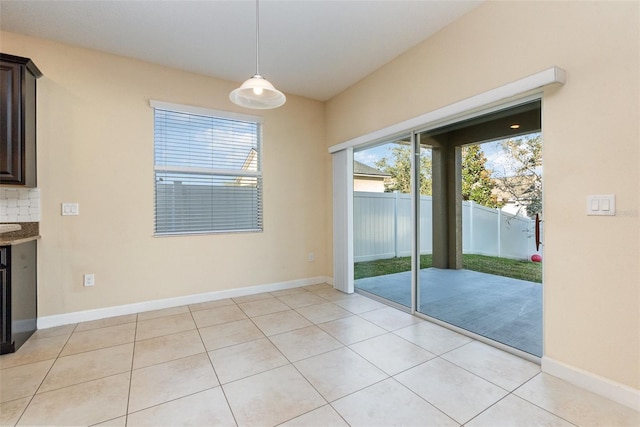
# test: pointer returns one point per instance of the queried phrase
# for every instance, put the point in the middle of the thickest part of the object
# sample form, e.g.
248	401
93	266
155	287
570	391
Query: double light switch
601	205
70	209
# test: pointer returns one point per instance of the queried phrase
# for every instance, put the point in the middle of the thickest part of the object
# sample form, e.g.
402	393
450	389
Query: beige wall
95	147
591	146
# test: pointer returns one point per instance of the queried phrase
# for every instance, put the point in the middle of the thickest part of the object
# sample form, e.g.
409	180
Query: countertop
30	231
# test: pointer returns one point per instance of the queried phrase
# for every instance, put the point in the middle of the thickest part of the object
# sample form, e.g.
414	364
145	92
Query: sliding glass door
431	233
382	227
480	277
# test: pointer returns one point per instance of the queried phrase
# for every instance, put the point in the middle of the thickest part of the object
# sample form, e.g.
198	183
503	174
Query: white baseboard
102	313
612	390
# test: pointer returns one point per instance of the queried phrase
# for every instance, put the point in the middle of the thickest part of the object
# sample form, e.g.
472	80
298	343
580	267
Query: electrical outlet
312	257
89	279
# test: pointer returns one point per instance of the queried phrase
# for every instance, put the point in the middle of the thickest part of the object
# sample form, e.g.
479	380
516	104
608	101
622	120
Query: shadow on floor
499	308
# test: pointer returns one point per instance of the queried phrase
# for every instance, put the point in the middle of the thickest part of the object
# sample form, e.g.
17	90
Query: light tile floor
308	356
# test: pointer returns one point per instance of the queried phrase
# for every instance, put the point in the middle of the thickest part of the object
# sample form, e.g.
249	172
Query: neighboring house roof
250	164
361	169
251	161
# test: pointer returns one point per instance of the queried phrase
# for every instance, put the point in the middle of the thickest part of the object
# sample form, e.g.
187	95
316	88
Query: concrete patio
500	308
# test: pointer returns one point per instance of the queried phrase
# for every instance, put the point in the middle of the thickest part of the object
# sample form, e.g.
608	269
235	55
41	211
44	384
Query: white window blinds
208	173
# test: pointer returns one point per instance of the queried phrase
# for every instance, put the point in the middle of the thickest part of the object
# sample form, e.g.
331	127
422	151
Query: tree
476	179
523	173
399	167
477	184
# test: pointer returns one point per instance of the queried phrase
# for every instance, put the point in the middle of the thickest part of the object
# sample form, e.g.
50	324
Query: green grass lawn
523	270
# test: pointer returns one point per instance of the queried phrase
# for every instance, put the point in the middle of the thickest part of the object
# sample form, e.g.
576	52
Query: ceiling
310	48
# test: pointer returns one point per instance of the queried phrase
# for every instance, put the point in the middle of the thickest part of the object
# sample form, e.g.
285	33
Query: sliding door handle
538	242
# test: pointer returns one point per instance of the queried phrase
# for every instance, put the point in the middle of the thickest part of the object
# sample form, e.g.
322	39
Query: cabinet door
5	301
23	289
5	318
11	123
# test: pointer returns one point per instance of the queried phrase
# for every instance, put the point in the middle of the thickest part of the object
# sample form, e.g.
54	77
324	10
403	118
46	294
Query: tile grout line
224	394
436	356
439	356
133	356
473	373
425	400
250	318
24	411
535	404
486	409
290	363
306	379
343	346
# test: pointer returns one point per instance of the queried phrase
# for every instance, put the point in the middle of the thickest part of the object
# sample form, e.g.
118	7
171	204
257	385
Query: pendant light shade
257	92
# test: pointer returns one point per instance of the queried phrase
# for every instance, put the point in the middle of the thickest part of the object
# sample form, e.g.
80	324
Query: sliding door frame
524	90
415	221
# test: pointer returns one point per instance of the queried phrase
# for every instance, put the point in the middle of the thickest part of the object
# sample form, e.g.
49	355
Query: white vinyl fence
382	228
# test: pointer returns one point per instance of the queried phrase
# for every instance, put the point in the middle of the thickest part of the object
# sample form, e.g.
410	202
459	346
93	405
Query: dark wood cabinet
5	299
18	293
18	120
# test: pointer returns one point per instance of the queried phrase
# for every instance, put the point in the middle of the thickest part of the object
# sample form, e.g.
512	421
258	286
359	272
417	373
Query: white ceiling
310	48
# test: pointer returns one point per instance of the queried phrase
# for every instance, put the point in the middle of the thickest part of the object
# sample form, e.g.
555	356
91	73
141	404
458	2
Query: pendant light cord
257	38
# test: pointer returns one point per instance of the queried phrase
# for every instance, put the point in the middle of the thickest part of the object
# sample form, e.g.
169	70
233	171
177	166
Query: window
208	171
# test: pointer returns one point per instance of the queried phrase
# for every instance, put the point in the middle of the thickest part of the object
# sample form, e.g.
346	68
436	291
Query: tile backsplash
19	204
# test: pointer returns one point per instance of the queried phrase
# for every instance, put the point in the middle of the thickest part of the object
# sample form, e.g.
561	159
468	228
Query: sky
497	160
191	140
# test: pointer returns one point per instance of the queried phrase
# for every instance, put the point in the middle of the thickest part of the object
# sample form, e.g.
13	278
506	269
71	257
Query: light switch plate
70	209
601	205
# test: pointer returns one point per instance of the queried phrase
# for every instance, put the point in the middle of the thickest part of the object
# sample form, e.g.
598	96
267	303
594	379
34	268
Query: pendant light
257	92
